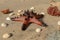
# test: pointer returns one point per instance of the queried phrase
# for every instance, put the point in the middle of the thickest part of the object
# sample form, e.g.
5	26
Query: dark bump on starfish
26	19
31	16
12	19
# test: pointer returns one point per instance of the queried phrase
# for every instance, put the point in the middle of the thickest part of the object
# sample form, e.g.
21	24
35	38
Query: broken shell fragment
4	24
58	22
19	11
38	30
8	18
42	13
11	14
7	35
18	14
32	8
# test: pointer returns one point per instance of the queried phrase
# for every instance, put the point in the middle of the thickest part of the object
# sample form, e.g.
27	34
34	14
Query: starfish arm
25	25
19	19
36	21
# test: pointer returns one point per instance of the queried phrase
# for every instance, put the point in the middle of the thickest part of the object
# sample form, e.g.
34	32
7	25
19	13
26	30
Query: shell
54	11
38	30
6	35
5	11
58	22
42	13
32	8
19	11
11	14
4	24
8	18
18	14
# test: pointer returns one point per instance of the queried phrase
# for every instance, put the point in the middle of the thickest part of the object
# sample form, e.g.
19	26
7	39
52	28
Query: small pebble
58	22
7	35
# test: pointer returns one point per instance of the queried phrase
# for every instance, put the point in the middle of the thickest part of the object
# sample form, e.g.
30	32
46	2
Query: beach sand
49	33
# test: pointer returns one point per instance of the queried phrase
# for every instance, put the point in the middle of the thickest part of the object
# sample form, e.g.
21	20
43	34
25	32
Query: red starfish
28	20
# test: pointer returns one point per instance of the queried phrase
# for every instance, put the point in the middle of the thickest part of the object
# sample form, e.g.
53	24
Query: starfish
28	18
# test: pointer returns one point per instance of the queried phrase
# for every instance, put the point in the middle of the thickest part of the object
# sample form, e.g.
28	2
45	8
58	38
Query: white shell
32	8
58	22
42	13
4	25
6	35
18	14
8	18
19	11
11	14
38	30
